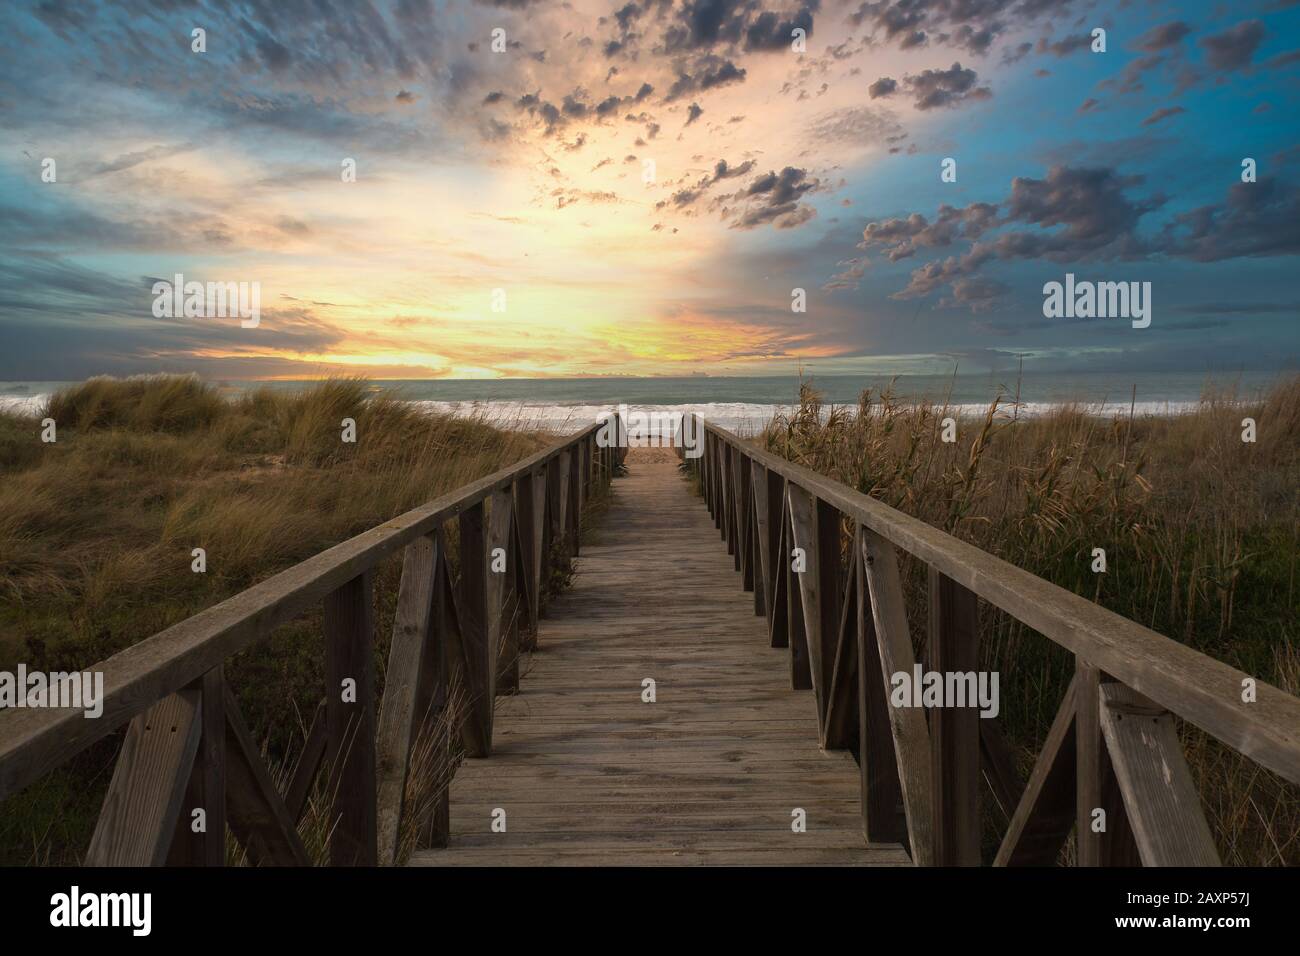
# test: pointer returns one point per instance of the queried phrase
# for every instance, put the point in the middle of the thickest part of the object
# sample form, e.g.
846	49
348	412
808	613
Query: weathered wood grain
152	773
350	717
911	736
1160	796
588	773
398	712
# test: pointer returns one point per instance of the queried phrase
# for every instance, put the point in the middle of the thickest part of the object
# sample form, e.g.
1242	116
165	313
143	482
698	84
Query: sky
639	187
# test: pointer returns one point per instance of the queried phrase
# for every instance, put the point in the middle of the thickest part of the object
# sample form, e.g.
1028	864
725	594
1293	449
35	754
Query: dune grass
1199	530
97	531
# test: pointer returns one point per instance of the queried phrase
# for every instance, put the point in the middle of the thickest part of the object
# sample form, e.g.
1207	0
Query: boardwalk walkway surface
709	773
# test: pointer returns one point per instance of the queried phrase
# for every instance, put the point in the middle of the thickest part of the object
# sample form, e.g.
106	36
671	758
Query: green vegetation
1199	528
96	532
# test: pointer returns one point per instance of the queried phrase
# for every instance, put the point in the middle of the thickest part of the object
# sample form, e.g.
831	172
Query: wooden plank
883	818
563	509
449	635
953	647
1192	685
308	764
138	819
778	618
1104	839
477	635
398	713
259	818
526	530
737	466
745	531
911	737
575	503
1160	796
801	669
763	550
541	564
503	606
1045	814
207	786
842	699
35	740
350	718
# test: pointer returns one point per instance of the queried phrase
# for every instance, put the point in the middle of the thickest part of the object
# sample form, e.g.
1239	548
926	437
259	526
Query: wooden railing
1112	747
187	747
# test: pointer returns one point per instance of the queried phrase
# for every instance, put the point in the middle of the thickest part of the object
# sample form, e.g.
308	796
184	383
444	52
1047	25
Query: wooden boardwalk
588	773
585	771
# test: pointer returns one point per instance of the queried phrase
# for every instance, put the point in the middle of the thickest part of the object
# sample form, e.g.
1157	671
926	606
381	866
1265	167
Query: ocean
745	404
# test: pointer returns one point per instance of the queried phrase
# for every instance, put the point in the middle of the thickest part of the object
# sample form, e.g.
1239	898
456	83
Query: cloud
882	87
858	125
1235	47
1254	220
1083	214
1161	114
711	73
1164	36
734	24
970	25
774	198
936	89
1059	48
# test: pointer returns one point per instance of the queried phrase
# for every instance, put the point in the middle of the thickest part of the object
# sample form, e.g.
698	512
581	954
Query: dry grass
1199	529
97	530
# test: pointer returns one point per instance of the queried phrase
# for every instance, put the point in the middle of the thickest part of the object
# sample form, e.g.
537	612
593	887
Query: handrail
34	741
1202	690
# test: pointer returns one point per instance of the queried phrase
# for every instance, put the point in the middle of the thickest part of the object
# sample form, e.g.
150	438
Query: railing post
574	524
413	662
502	636
883	820
480	656
954	731
526	526
1102	833
207	788
350	710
